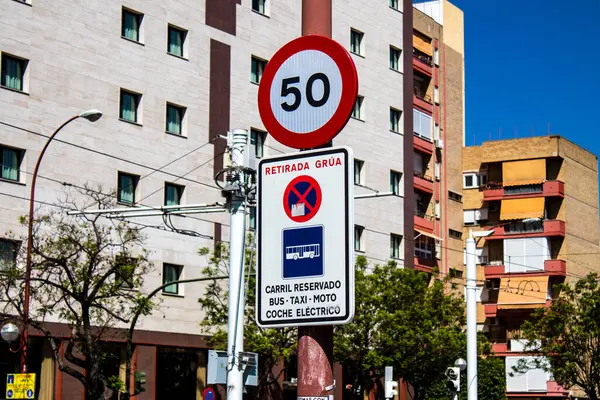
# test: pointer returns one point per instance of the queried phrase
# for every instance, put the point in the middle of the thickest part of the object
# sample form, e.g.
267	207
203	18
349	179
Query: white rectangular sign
305	236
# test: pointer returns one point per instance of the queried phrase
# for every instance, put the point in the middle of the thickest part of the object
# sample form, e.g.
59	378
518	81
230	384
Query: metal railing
423	214
421	94
423	176
424	58
518	227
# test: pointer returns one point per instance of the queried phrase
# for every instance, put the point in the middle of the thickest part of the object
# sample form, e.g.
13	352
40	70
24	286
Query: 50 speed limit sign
307	92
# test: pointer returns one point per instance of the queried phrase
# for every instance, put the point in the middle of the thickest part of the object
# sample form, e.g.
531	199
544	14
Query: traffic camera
453	379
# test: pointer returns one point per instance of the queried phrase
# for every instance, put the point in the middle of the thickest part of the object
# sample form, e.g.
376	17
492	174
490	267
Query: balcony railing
421	94
421	175
423	214
496	191
424	58
520	227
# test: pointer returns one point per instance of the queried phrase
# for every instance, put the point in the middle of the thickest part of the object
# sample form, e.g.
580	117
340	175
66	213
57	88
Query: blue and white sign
303	252
305	237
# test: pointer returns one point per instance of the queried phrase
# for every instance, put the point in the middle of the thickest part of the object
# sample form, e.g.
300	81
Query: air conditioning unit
439	143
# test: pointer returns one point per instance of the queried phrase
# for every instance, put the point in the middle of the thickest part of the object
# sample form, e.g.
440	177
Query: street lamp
92	116
471	289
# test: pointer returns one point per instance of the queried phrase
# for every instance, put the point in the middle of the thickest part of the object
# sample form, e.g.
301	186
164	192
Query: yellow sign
20	386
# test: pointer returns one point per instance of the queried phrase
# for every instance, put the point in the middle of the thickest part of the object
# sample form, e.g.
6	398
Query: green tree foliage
86	272
405	321
568	335
271	345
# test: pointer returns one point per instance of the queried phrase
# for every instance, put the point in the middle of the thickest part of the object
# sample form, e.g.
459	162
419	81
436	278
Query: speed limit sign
307	92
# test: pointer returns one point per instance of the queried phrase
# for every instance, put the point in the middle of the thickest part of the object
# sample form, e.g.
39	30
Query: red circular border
340	117
288	189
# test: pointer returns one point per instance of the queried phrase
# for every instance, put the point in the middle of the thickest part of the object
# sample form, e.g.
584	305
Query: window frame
123	280
395	54
138	106
424	247
395	116
24	73
258	136
357	108
252	217
20	157
136	179
361	165
265	10
395	245
457	236
394	4
14	245
140	21
182	112
358	238
455	196
179	274
184	47
180	190
256	62
357	48
395	183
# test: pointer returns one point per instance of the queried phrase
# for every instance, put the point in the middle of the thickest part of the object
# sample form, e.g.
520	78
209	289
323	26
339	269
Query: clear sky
530	63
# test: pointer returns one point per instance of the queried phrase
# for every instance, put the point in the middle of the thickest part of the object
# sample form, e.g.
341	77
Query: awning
422	45
528	172
522	208
522	292
431	235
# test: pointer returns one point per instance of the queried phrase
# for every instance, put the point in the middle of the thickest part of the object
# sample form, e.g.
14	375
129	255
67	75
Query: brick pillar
146	362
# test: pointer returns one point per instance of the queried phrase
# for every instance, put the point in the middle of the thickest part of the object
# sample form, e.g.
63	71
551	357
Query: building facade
539	196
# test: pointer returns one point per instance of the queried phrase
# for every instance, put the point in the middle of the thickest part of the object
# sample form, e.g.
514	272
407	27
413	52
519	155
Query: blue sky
530	63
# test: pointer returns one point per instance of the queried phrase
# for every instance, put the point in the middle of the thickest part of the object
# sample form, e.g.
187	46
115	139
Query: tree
87	272
404	321
272	345
567	334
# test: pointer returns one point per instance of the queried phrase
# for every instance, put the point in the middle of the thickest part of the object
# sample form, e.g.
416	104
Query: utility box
216	370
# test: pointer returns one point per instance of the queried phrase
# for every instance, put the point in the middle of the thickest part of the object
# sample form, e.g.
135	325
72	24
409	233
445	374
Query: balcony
494	192
534	383
423	183
422	62
423	221
422	100
514	230
424	264
551	268
422	145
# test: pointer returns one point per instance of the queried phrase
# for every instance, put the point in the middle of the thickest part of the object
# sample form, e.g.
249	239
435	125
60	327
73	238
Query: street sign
307	92
20	386
209	394
305	235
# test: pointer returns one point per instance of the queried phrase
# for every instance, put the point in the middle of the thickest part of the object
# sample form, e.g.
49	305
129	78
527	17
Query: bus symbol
304	251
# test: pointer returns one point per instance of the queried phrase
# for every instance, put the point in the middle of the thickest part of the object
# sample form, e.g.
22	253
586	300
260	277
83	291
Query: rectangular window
257	69
356	38
252	218
8	253
259	6
13	72
358	166
125	271
171	273
437	209
424	247
422	124
437	168
436	95
129	107
175	116
394	58
176	42
394	120
357	110
10	160
394	4
454	196
395	241
126	188
470	181
173	194
257	140
455	234
131	23
436	56
436	131
455	273
358	231
395	182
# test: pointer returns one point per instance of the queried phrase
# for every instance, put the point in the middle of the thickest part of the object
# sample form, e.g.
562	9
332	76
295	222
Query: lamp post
92	116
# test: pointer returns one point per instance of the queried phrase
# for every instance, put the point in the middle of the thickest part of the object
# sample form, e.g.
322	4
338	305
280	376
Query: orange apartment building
438	119
540	197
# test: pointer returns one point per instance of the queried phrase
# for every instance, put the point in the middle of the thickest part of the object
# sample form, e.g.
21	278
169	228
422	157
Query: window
130	106
436	94
394	58
356	39
437	167
358	231
454	196
419	165
474	180
173	194
126	188
357	110
8	253
394	120
424	247
436	56
13	72
395	182
455	234
436	131
125	271
455	273
171	273
10	161
131	23
394	4
422	124
176	44
395	241
252	218
257	69
259	6
175	116
257	139
437	209
358	171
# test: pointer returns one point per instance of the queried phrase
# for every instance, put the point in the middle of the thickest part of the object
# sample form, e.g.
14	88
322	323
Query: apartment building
170	77
539	196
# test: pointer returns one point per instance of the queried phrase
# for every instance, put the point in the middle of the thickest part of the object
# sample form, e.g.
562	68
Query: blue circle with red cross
302	198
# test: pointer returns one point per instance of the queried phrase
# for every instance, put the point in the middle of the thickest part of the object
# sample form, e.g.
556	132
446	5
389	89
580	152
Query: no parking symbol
302	198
